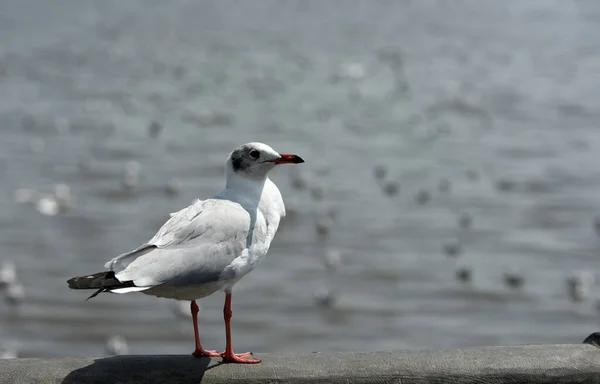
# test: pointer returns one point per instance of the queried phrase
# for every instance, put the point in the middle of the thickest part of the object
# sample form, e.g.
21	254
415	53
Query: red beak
287	158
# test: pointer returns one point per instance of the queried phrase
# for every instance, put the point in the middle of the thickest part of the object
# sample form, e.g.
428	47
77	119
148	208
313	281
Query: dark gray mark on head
240	160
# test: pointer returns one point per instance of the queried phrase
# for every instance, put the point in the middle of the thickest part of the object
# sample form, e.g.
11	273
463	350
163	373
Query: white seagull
208	246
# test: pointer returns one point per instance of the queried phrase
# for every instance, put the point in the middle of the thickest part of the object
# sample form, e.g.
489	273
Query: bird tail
101	281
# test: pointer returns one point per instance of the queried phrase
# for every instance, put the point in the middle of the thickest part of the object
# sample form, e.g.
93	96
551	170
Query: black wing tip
73	282
97	293
93	281
102	282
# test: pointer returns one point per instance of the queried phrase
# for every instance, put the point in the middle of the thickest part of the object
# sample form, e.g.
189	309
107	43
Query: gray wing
194	246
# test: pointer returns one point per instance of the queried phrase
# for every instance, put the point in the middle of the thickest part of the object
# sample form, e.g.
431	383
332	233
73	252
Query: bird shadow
145	369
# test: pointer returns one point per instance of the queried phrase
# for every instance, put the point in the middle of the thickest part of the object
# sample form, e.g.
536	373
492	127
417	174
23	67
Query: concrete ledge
516	364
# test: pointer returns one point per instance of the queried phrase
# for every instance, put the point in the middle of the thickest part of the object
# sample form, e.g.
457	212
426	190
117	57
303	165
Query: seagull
208	246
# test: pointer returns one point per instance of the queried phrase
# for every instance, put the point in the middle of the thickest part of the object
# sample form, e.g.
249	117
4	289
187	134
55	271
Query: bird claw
206	353
239	358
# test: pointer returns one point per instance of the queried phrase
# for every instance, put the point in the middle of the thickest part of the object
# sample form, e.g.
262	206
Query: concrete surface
515	364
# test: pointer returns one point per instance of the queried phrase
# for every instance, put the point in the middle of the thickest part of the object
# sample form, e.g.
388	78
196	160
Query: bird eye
254	154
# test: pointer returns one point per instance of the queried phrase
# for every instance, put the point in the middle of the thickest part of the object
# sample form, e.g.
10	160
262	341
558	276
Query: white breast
266	218
272	207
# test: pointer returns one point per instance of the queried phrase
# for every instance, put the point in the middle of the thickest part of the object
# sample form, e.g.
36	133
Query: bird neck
250	188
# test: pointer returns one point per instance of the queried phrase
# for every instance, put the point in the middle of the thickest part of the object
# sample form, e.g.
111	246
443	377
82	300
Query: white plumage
208	246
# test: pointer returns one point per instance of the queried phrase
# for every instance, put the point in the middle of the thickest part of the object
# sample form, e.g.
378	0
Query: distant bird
116	345
514	279
332	213
353	71
597	225
391	188
323	226
48	205
505	185
444	185
154	129
325	297
452	249
473	174
465	220
332	260
380	172
464	274
208	246
423	197
15	293
580	285
131	177
8	274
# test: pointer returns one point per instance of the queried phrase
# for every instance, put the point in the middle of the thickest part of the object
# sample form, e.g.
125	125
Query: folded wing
194	246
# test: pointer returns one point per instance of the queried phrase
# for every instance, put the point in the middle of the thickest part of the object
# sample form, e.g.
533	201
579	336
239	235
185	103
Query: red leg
199	351
228	355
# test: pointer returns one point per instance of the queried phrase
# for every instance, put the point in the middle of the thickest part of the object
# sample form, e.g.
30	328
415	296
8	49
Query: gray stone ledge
514	364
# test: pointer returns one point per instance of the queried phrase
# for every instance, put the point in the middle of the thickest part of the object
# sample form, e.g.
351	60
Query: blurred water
499	99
